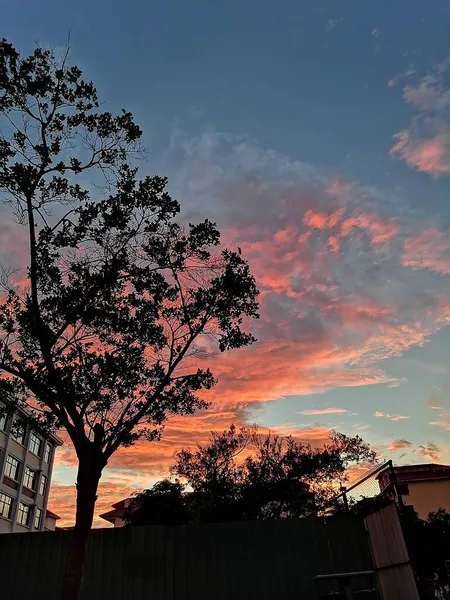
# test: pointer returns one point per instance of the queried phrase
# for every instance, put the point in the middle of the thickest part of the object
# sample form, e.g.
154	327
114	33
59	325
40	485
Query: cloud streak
323	411
389	417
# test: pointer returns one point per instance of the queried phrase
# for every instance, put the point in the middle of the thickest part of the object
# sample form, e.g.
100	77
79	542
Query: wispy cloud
323	411
390	417
435	402
333	23
429	249
424	144
430	450
399	445
444	422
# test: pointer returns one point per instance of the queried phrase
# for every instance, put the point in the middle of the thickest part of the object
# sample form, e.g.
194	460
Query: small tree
102	338
243	475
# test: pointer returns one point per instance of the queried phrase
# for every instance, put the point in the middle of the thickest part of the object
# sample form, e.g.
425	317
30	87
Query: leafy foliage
428	543
104	337
104	334
243	475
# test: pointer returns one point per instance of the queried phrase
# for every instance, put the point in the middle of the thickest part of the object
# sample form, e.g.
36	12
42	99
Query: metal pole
398	496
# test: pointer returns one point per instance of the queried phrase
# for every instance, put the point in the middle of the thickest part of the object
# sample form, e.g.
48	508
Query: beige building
426	488
26	463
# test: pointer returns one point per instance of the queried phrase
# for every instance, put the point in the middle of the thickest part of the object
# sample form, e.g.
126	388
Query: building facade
425	488
26	463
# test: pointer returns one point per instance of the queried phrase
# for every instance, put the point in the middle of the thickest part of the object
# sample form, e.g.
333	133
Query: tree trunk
89	473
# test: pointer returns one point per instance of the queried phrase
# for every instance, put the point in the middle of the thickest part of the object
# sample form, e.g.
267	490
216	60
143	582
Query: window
18	432
5	506
43	485
48	453
37	518
3	421
35	445
12	468
29	478
403	489
23	514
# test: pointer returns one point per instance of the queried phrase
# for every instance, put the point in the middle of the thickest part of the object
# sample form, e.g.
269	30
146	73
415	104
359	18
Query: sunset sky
317	134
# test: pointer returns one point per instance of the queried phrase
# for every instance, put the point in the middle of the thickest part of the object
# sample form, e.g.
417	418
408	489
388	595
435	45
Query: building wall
16	489
428	496
49	524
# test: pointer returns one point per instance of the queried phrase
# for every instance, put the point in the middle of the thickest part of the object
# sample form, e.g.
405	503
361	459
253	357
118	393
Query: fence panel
391	555
264	560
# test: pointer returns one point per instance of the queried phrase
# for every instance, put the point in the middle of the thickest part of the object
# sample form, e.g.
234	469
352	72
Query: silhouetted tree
163	504
243	475
102	337
428	543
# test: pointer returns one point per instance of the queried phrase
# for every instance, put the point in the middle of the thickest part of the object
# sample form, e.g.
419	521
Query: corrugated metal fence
263	560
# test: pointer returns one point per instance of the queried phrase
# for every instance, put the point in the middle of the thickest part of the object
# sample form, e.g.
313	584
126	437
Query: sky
317	135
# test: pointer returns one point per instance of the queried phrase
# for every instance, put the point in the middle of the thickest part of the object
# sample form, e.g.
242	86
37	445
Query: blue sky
278	120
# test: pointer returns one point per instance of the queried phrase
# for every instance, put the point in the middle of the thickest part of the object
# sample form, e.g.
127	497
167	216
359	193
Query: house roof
51	515
118	511
424	472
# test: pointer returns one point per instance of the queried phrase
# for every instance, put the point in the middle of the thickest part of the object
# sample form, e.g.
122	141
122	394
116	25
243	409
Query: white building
26	463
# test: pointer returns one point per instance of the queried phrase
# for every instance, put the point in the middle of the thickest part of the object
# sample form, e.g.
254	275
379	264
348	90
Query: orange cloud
62	500
399	445
431	451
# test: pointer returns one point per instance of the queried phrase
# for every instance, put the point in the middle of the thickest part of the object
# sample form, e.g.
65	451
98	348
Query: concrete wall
428	496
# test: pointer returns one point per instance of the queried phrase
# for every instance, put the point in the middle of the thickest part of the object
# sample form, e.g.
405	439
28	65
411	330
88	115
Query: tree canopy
105	333
245	475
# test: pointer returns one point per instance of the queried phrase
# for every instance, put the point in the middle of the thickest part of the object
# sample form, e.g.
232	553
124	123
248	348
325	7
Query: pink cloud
431	156
429	95
425	144
379	230
13	243
328	319
429	249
